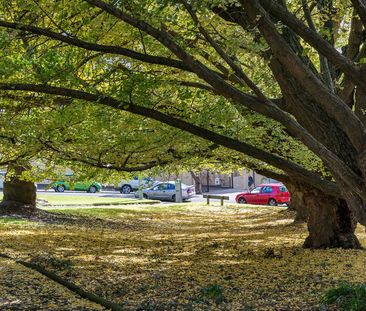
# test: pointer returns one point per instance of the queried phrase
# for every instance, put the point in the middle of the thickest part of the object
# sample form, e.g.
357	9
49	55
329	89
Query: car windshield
256	190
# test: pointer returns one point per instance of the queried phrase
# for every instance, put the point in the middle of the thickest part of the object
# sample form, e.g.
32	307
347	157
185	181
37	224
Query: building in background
237	180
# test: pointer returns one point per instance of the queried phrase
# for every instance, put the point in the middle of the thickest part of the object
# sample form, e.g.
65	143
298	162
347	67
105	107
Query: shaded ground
174	258
25	289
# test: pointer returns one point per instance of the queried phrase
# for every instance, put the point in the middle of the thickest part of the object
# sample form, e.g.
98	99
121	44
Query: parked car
126	187
271	194
61	186
166	191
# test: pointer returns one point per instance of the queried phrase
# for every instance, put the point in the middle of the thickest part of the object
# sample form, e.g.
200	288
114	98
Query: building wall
237	180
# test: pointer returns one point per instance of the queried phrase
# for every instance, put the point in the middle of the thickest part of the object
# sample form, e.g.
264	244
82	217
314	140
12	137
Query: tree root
17	208
71	286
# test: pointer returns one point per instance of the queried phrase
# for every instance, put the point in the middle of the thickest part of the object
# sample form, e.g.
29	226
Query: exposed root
71	286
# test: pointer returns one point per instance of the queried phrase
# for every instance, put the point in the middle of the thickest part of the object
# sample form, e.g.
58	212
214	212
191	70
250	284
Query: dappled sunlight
21	287
167	257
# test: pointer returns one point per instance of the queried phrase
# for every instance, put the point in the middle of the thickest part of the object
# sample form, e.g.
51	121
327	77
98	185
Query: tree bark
330	222
297	202
19	195
197	183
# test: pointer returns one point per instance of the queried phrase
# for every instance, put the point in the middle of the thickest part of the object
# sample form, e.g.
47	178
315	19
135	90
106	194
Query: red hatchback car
271	194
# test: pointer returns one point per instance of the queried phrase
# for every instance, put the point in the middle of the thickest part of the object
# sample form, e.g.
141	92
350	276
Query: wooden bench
218	197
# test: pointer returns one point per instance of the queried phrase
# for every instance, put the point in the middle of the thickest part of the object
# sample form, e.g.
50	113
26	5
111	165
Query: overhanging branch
291	168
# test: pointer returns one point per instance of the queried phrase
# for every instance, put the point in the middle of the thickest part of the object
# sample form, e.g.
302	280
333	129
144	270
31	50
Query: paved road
115	194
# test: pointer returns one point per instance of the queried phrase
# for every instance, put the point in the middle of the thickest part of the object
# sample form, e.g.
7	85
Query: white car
127	187
166	191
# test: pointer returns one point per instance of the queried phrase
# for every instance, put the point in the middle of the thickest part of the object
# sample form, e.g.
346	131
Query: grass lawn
179	257
88	199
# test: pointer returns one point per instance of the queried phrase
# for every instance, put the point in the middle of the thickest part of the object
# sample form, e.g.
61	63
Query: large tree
298	65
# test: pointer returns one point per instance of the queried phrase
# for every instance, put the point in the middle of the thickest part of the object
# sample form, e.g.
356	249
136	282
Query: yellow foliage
175	259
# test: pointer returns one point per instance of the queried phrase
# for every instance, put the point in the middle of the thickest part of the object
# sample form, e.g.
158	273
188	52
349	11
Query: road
115	194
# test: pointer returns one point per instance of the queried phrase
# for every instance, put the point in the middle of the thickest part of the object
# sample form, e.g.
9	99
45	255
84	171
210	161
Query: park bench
217	197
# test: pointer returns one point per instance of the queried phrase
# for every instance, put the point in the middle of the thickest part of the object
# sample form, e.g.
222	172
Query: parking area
116	194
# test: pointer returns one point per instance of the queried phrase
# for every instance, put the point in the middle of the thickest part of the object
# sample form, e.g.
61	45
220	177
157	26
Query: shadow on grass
163	258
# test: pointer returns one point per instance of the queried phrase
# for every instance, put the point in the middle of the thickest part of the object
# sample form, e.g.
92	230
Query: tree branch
151	59
315	40
360	6
291	168
97	163
264	107
334	106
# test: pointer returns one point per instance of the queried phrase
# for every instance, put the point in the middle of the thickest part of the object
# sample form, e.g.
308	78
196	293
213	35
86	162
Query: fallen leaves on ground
174	258
24	289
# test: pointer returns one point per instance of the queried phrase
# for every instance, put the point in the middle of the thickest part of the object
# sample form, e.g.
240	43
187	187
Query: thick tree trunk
297	202
329	219
19	195
330	222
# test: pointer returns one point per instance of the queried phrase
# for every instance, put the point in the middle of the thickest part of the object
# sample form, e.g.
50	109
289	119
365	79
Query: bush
214	292
348	297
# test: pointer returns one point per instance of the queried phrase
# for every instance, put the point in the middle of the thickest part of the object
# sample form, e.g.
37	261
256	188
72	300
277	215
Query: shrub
214	292
348	297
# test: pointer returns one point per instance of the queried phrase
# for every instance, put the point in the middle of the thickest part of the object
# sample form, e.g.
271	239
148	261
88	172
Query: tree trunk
19	195
297	202
330	222
329	219
197	183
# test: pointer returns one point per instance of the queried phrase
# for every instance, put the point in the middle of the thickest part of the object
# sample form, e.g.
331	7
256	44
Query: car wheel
242	201
145	196
93	189
173	198
126	189
60	188
272	202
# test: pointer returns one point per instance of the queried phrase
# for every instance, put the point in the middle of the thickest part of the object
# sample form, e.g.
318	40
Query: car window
157	187
267	189
163	186
283	189
171	187
256	190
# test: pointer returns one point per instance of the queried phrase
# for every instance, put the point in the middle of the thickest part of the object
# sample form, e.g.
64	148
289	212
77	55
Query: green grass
348	297
92	200
116	212
13	221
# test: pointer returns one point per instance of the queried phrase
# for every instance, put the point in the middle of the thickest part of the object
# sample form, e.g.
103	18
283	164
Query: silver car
166	191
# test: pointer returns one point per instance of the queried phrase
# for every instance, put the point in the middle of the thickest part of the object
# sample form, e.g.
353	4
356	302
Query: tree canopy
280	81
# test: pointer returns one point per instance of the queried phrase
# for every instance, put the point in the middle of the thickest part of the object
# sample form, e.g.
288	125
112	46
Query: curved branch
316	41
111	49
291	168
332	104
360	6
236	68
97	163
264	107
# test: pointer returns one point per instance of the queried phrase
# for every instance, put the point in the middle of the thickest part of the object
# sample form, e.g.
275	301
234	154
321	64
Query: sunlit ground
174	258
